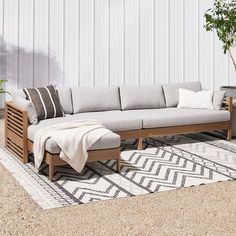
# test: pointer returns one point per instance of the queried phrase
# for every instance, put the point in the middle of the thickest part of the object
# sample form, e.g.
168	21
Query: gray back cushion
87	99
27	106
65	97
18	93
171	91
141	97
64	94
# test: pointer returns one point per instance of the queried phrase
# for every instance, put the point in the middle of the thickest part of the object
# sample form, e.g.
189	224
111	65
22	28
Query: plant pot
229	91
1	113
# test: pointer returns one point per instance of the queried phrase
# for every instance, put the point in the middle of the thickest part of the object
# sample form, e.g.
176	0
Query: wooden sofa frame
16	138
16	141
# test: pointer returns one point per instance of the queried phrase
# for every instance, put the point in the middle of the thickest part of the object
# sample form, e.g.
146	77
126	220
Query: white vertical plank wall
146	35
206	46
26	45
107	42
56	42
2	56
86	43
116	36
190	40
176	41
10	33
132	49
101	42
161	38
71	43
41	42
220	65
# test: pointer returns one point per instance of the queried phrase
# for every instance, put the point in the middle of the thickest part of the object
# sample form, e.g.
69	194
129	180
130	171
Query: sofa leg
140	144
118	165
26	157
50	171
229	134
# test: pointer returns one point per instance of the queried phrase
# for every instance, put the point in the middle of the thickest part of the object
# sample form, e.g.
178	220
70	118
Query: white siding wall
101	42
2	57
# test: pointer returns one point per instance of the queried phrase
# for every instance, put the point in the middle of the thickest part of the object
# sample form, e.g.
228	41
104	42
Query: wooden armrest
13	106
228	103
16	126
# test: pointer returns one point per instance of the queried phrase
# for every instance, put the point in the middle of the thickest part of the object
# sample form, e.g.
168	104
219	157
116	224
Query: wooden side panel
195	128
16	125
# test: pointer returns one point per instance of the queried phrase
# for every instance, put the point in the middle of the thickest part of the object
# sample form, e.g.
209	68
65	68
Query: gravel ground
202	210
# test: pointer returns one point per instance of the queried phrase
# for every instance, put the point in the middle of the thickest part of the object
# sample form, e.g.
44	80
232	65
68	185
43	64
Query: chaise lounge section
128	111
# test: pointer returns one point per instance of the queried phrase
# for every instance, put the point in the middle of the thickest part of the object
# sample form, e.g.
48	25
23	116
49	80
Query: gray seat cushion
95	99
108	141
166	117
113	120
171	91
141	97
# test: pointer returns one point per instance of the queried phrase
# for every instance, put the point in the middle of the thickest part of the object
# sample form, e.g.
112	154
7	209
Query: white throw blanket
74	139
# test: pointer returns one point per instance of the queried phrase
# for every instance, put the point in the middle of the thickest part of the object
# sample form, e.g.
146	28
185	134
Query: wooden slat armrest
228	103
16	126
19	109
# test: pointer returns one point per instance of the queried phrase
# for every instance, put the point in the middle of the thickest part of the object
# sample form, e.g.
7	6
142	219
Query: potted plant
222	18
2	91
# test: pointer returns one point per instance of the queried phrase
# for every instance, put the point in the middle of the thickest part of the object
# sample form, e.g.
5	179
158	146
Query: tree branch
232	59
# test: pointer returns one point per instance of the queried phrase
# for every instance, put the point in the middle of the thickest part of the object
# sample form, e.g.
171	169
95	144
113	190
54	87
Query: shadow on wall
25	68
2	69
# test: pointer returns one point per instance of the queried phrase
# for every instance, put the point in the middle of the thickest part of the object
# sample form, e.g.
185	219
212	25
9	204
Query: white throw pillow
28	106
218	98
191	99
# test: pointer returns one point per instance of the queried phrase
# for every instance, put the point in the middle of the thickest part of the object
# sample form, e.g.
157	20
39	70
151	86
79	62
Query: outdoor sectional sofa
129	111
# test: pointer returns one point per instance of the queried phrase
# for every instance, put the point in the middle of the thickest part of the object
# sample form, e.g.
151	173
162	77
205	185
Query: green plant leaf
221	18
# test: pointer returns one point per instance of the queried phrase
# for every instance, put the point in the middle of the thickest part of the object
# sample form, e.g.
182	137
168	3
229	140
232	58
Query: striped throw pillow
46	102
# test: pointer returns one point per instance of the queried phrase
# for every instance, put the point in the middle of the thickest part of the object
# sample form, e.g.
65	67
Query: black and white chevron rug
166	163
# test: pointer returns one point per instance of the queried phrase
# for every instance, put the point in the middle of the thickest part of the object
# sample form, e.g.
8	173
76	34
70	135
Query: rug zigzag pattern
165	171
221	160
167	163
